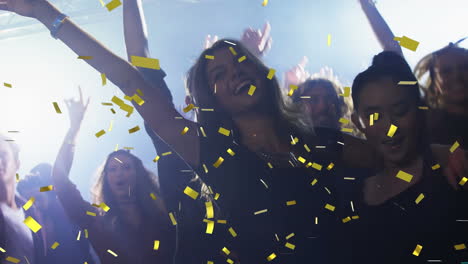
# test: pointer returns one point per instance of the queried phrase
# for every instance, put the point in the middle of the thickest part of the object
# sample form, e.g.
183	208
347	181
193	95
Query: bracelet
57	24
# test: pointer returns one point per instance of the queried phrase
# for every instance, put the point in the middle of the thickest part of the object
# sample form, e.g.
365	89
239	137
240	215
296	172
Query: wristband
57	24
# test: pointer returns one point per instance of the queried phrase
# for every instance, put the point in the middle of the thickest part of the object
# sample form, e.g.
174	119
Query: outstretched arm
159	112
381	30
136	34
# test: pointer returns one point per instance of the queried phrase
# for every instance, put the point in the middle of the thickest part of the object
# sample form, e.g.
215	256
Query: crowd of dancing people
303	171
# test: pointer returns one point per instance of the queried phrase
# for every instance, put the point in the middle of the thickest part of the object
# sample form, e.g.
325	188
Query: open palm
76	110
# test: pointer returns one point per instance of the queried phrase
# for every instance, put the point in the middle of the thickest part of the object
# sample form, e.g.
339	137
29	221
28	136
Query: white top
19	239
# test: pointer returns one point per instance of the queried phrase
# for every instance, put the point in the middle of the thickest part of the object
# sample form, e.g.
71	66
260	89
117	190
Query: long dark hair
197	87
146	183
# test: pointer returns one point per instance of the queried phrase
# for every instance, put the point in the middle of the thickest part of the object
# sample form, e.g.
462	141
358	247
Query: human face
121	176
451	77
230	81
394	106
321	107
8	163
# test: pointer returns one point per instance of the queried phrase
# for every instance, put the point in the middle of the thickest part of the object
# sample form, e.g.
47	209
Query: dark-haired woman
443	76
128	222
407	212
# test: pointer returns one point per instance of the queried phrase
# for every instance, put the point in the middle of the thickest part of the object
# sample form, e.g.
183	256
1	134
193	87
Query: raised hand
297	74
76	110
209	41
20	7
258	42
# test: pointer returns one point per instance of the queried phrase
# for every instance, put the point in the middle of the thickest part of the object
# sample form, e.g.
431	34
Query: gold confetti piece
12	259
407	82
343	121
103	79
271	73
306	97
376	116
100	133
230	152
277	238
463	181
290	246
79	235
330	207
226	251
349	178
408	43
2	250
347	92
316	220
7	85
173	220
216	196
128	148
111	125
46	188
294	141
218	162
32	224
90	213
265	3
306	148
134	129
261	212
139	92
251	90
210	262
215	88
355	217
269	165
116	147
112	253
191	192
207	109
233	51
419	199
186	129
404	176
454	146
241	59
271	257
156	245
29	203
233	233
85	57
314	182
222	221
108	104
392	130
346	220
423	107
230	261
328	191
289	203
329	40
119	161
224	131
57	108
203	131
289	236
166	153
153	196
460	247
188	108
156	159
138	99
371	120
417	250
145	62
317	166
55	245
205	168
17	177
209	210
347	130
86	232
330	166
112	110
301	159
112	5
292	88
209	57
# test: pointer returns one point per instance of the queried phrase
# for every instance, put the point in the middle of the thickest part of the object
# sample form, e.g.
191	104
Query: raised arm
136	34
381	30
158	111
70	197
